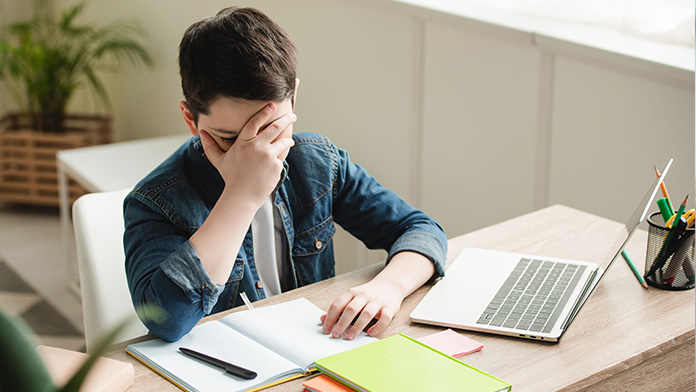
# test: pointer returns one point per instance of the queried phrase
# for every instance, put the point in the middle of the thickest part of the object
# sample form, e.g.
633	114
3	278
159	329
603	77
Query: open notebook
279	342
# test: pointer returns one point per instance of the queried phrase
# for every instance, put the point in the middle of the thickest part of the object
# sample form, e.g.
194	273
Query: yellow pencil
663	187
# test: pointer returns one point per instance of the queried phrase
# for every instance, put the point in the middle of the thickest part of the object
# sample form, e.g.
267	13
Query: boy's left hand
358	306
379	298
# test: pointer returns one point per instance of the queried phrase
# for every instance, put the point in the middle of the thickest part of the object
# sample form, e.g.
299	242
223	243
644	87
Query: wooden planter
28	157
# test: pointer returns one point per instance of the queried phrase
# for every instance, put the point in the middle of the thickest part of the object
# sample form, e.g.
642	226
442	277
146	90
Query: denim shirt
320	186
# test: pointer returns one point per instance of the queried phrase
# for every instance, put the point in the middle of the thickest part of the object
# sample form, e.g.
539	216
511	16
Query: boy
245	206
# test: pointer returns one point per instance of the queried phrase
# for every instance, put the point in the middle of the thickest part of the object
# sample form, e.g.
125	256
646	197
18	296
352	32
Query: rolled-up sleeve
426	244
185	269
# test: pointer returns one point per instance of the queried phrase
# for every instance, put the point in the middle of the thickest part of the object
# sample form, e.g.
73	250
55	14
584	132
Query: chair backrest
106	301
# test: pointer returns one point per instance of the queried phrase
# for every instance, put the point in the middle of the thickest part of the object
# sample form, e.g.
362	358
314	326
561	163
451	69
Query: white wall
366	106
604	147
480	123
469	121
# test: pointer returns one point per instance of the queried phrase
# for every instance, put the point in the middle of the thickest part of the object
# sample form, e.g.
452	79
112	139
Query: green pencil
633	268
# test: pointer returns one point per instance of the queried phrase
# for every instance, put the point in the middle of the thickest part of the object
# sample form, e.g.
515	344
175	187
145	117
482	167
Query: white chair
106	301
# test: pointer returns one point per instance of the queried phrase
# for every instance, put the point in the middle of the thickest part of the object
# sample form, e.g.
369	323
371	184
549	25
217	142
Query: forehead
234	113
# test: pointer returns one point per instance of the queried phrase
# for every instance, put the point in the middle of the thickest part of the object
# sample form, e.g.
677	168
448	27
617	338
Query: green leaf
48	58
22	369
21	366
150	313
70	14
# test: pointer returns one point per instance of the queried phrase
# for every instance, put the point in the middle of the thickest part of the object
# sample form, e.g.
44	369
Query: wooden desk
625	338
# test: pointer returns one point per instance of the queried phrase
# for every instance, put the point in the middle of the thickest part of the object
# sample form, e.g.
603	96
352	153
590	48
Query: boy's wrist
407	271
240	199
245	195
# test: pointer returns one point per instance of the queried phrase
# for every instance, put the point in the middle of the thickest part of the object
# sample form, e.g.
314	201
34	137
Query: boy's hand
352	311
379	298
251	167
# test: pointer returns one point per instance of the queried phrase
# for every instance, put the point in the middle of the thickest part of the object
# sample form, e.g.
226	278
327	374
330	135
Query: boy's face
228	116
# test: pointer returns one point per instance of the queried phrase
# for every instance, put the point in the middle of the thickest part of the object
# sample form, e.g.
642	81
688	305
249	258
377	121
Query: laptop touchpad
477	286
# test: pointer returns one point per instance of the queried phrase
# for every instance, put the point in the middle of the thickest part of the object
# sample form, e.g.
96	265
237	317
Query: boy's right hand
252	165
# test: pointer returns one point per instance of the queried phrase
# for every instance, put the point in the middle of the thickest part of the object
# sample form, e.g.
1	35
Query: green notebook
400	363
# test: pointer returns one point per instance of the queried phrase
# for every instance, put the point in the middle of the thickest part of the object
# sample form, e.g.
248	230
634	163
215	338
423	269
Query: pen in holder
669	262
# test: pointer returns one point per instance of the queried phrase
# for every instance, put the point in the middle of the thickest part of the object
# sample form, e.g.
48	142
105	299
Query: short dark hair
238	53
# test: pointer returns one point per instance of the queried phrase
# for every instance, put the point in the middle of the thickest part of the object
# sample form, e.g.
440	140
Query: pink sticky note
451	343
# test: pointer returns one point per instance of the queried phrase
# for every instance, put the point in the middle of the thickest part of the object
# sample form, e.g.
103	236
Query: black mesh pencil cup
669	262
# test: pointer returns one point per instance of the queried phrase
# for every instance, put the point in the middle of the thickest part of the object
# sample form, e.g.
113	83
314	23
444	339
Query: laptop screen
634	221
626	232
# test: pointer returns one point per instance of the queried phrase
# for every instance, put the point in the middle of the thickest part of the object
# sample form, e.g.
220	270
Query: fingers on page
363	319
383	320
335	311
351	311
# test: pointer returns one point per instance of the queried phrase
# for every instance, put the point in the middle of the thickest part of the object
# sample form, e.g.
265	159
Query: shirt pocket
237	272
315	240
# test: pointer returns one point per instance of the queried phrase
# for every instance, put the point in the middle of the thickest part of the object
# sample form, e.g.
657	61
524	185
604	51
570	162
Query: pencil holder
669	262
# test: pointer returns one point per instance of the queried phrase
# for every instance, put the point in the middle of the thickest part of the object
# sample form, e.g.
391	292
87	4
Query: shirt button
259	285
317	243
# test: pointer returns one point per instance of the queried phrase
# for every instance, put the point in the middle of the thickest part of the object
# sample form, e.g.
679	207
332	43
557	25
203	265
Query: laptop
520	295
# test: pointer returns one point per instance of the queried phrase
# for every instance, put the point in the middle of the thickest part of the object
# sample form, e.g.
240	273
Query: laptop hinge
583	297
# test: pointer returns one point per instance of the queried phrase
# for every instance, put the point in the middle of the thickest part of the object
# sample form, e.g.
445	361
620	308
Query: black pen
229	368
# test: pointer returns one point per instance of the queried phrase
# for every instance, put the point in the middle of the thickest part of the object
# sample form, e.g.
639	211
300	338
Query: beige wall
440	109
333	103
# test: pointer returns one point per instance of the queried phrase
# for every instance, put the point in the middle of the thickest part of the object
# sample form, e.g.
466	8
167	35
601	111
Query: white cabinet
509	127
480	100
609	127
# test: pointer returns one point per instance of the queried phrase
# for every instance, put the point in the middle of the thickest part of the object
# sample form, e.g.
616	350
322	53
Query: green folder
399	363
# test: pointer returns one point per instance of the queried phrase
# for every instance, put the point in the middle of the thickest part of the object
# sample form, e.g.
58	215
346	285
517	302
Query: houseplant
43	62
23	368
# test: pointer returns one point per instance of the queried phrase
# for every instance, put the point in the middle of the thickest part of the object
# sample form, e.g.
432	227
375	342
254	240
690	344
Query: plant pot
28	172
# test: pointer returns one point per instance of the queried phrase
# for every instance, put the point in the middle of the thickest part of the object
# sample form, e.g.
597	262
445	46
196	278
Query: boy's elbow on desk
166	332
174	318
170	328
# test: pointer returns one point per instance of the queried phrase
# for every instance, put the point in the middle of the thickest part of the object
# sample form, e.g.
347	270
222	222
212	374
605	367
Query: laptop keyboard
533	296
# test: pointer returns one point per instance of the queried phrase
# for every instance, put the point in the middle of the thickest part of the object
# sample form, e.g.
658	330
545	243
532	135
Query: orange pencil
664	189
